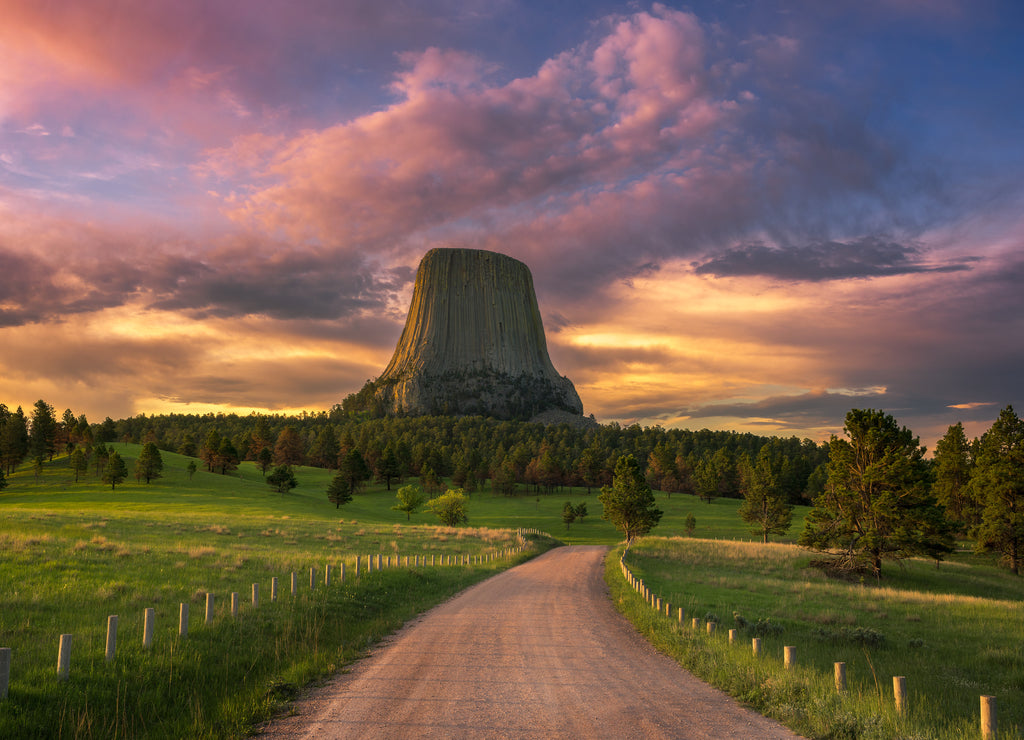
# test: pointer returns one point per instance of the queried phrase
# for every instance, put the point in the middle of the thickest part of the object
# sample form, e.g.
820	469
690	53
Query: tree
952	466
43	431
340	490
191	468
282	479
227	456
568	514
390	467
629	501
288	449
116	470
450	507
264	459
325	450
209	450
876	504
690	524
102	457
581	510
998	482
14	440
149	464
429	480
353	468
410	499
764	505
503	478
78	463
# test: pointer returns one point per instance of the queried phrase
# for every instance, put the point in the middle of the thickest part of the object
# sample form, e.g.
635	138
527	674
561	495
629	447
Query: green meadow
74	553
954	632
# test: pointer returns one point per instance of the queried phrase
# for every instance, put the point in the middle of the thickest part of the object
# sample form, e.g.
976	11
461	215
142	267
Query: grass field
955	633
73	553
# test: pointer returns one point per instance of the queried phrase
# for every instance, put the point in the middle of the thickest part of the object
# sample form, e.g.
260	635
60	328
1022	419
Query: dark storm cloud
863	258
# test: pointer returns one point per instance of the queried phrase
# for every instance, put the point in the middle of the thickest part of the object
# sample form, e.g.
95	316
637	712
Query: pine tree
629	502
116	470
876	504
998	483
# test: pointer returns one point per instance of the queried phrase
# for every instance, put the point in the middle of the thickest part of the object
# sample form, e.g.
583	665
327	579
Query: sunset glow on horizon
750	218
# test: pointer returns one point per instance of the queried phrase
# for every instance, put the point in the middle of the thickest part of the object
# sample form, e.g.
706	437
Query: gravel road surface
535	652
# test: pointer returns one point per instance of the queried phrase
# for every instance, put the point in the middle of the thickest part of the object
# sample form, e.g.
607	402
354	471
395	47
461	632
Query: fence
363	564
989	726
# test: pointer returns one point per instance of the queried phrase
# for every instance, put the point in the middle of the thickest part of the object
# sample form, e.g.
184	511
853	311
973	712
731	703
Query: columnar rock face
474	343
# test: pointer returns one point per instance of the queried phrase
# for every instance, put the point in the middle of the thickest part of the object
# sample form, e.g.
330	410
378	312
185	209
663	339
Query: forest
876	495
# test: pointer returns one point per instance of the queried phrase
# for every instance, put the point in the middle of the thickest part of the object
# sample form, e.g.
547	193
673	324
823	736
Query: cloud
864	258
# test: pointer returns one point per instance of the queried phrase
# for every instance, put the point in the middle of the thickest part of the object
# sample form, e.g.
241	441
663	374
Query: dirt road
535	652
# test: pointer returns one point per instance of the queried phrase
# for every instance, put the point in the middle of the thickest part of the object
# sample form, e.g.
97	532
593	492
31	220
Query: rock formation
474	343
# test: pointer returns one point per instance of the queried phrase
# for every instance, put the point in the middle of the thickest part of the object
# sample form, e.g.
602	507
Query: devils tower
473	343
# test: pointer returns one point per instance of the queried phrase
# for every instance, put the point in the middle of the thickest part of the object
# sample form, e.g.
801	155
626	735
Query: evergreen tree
116	470
149	464
14	440
629	501
282	479
764	505
78	463
288	450
568	514
952	465
354	469
209	450
998	483
43	431
227	457
876	504
340	490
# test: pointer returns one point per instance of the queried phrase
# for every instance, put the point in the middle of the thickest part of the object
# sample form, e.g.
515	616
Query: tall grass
954	632
72	555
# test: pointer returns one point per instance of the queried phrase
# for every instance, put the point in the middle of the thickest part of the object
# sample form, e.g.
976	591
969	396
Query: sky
738	215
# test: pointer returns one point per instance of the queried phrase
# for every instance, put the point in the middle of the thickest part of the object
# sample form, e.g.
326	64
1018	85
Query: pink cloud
457	146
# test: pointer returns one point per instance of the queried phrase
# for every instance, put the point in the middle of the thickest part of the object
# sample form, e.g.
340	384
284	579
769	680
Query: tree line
875	495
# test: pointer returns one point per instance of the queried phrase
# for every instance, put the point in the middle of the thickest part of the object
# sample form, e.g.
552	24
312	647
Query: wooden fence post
5	671
312	577
732	636
147	627
695	623
183	619
711	627
357	566
64	658
327	574
789	656
840	671
341	573
111	637
255	595
234	603
295	583
273	588
989	724
899	692
756	646
209	608
682	614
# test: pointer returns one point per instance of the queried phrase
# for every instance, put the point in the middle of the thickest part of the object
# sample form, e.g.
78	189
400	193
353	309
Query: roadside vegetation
954	632
73	554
